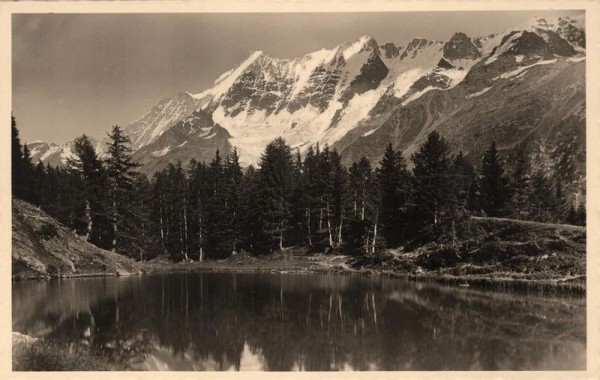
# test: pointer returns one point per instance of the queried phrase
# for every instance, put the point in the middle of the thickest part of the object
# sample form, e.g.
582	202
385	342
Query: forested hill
201	210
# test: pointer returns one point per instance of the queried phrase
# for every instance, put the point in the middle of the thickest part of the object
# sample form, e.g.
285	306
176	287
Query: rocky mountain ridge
524	84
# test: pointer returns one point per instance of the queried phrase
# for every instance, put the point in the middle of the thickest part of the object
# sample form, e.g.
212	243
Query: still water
281	322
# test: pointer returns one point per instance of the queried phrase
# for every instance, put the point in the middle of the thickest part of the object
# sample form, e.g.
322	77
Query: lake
282	322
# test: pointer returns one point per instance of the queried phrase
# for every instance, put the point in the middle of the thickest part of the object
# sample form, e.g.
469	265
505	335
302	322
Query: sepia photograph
298	191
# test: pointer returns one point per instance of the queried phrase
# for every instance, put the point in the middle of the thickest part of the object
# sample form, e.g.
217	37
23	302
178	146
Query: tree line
211	210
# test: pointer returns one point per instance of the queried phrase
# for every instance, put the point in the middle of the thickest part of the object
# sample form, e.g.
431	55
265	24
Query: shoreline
339	265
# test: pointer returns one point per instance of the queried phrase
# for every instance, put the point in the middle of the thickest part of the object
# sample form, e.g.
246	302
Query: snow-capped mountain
196	136
359	96
57	155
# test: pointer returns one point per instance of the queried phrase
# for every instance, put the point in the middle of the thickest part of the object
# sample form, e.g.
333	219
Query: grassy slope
42	247
497	250
32	354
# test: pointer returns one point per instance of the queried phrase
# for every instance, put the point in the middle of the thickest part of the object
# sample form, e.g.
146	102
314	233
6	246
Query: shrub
48	231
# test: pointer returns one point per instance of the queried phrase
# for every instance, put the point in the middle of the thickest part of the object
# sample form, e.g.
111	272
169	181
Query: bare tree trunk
114	242
329	226
281	235
453	234
181	243
320	218
340	229
88	216
281	223
308	225
169	217
200	253
235	232
362	211
185	228
162	230
375	231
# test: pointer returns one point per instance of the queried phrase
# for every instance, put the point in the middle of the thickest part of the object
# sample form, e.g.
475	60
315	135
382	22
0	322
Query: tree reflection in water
219	321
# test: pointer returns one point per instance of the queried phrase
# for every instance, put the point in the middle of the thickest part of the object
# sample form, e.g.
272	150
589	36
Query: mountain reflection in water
224	321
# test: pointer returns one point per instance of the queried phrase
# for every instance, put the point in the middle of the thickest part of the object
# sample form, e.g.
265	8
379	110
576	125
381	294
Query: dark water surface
223	321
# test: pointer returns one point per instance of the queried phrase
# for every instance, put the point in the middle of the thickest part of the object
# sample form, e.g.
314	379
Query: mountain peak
460	46
418	42
366	39
390	50
364	43
253	54
183	95
555	23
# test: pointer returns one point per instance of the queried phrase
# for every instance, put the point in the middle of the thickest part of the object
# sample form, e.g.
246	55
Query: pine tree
393	180
87	201
541	200
143	243
233	199
16	160
176	216
40	185
120	170
561	209
298	227
314	189
219	233
432	200
463	176
197	205
520	181
254	238
494	185
336	199
27	174
363	202
159	207
276	178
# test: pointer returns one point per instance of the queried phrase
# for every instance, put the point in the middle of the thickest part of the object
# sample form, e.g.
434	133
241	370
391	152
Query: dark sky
82	73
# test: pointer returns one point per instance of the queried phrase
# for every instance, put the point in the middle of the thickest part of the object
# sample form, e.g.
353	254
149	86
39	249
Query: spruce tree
298	227
494	185
393	180
313	197
27	176
463	176
541	199
86	202
233	199
253	236
198	203
120	170
276	179
40	185
433	201
219	240
336	199
363	202
16	160
520	182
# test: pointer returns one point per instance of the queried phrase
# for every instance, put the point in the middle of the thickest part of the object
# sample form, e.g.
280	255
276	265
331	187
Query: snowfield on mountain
523	84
